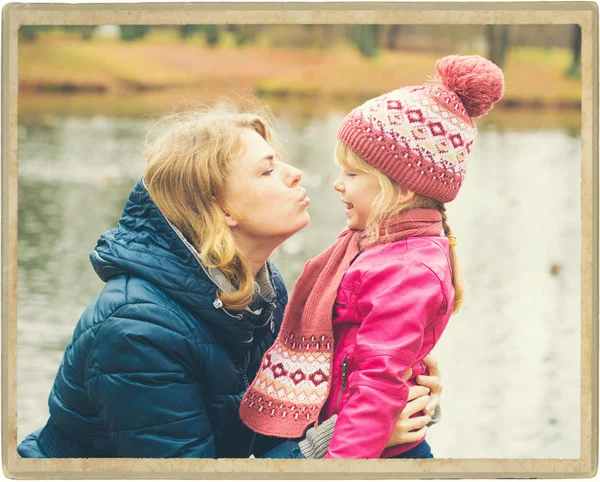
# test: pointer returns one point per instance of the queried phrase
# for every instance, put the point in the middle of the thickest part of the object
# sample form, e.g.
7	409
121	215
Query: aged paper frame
583	13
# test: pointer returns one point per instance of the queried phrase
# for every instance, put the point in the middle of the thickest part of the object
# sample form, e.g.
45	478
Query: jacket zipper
272	317
343	389
218	304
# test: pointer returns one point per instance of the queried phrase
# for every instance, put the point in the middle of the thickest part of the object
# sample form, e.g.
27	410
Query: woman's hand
422	397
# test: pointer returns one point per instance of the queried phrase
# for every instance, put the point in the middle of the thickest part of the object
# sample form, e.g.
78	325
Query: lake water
510	359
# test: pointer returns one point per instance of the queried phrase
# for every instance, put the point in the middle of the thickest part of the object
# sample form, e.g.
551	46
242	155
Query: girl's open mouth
349	206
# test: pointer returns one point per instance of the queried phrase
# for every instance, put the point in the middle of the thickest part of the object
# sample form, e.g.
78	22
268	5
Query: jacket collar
146	245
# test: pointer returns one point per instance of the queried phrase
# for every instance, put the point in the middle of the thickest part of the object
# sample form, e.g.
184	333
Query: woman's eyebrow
268	157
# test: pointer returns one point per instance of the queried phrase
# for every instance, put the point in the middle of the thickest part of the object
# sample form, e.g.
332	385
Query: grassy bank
534	77
46	109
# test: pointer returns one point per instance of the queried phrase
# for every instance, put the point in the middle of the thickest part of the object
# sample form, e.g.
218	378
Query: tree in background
212	34
390	36
366	38
29	33
575	69
243	34
187	31
497	37
128	33
86	32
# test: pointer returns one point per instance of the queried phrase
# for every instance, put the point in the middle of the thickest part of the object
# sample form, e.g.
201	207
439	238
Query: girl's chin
352	224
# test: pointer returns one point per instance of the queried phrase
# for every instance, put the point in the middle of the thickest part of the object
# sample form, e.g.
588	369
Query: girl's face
358	191
266	194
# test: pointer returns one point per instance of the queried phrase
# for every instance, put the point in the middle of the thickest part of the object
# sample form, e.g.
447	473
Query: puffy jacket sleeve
395	302
143	378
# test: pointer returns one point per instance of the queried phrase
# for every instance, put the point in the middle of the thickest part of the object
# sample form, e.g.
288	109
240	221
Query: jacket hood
146	245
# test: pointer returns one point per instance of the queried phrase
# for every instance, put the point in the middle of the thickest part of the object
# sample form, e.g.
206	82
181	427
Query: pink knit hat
421	136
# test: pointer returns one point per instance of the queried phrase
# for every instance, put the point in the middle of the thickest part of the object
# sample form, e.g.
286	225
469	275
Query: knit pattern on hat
421	136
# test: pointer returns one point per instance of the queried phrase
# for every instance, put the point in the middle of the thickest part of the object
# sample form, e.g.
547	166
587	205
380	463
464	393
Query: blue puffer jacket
156	366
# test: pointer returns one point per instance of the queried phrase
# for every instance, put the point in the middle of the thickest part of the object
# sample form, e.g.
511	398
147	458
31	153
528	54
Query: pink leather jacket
391	309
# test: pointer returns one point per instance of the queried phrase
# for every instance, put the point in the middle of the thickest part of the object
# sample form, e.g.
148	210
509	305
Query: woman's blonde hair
385	206
190	156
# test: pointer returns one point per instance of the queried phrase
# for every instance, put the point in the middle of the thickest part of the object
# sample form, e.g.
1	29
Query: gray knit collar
262	279
263	283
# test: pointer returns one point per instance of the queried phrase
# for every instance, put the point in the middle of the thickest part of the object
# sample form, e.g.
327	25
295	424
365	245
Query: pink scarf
293	382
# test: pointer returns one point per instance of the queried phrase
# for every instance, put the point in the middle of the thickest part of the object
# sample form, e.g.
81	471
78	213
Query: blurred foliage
212	34
312	62
129	33
157	63
187	31
370	40
575	68
86	32
365	38
29	33
243	34
392	32
497	37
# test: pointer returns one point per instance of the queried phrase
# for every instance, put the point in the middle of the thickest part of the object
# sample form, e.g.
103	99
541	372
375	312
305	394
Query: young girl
365	313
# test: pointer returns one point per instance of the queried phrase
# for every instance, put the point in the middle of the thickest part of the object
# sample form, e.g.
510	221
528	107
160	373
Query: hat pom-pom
478	82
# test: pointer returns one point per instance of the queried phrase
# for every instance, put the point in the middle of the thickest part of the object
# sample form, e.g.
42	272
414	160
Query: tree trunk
87	32
497	37
392	37
366	38
575	69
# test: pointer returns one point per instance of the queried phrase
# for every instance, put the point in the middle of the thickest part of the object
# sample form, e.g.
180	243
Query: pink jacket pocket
345	308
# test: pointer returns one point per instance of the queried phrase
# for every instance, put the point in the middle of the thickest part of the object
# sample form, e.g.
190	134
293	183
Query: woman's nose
294	176
338	185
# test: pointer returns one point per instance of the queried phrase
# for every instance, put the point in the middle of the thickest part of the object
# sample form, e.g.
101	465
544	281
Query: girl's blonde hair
385	206
190	156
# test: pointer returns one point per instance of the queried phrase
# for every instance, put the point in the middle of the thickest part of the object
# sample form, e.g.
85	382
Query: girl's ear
406	195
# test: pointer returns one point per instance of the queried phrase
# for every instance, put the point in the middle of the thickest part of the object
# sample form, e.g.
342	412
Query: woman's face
266	193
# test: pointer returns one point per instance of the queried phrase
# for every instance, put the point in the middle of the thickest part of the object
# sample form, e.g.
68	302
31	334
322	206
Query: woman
159	362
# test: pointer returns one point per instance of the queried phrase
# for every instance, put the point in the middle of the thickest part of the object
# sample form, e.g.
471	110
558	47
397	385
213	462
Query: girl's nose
294	176
338	185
